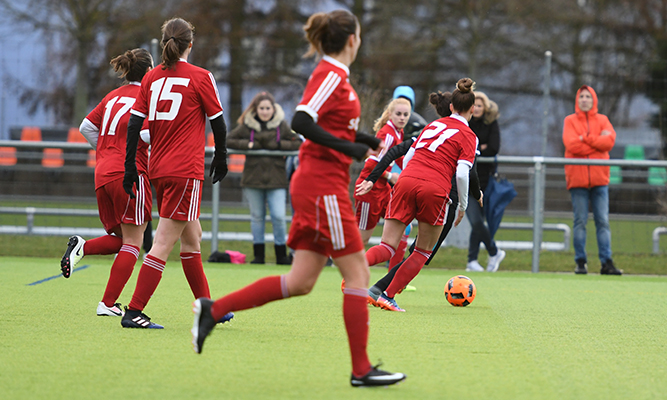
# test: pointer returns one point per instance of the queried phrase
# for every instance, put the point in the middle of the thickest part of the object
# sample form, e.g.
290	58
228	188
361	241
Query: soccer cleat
137	319
377	377
373	294
72	256
581	268
388	303
494	261
227	317
608	268
474	266
409	288
203	323
113	311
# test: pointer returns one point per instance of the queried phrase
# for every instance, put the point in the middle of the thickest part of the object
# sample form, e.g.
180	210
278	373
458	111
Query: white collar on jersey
337	63
393	126
183	59
460	118
134	83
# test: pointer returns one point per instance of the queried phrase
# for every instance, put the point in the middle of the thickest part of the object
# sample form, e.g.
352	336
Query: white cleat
474	266
72	256
114	311
494	261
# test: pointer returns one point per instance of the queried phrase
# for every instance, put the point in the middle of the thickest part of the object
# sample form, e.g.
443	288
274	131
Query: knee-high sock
355	314
380	253
121	270
260	292
194	272
149	277
384	282
107	244
408	271
400	251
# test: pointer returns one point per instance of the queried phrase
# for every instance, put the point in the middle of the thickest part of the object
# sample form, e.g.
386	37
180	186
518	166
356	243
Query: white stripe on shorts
363	218
335	222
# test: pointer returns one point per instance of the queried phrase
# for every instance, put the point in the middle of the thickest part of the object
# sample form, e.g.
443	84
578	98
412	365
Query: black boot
608	268
258	251
282	258
581	267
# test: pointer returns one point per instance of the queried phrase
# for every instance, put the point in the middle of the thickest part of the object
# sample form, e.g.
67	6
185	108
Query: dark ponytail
177	34
133	64
327	33
441	101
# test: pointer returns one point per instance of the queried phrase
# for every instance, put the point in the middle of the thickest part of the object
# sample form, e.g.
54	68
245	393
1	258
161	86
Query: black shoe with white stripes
137	319
377	377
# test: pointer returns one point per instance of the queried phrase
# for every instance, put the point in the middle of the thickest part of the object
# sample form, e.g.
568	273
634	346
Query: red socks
355	314
400	252
408	270
256	294
149	277
194	272
107	244
379	253
121	270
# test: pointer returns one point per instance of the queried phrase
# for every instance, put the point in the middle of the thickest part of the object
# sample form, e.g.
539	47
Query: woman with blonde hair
262	126
372	206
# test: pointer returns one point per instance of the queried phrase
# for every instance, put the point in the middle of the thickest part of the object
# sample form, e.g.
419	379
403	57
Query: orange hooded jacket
582	139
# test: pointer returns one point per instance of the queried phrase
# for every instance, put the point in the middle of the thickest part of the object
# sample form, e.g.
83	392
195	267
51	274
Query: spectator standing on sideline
176	98
588	134
262	126
484	123
323	224
124	218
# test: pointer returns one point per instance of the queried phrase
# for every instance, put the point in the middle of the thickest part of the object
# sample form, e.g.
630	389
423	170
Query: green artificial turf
525	336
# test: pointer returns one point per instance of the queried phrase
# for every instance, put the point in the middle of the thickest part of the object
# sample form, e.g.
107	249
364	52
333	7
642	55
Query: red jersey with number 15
441	146
176	102
331	101
111	117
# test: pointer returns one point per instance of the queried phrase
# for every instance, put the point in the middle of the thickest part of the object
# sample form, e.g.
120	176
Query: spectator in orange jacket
587	134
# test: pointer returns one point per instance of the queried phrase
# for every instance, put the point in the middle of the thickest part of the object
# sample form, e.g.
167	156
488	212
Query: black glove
131	177
218	167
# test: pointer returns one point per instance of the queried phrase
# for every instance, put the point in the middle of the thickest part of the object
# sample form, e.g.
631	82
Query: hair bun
465	85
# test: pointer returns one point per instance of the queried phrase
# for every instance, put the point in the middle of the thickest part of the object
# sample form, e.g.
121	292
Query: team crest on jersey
352	96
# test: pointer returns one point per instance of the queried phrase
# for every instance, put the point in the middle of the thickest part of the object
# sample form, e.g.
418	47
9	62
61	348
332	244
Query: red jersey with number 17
441	146
331	101
176	102
111	117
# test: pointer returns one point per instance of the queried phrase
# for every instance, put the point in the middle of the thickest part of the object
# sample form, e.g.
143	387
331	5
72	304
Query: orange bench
51	158
74	136
235	162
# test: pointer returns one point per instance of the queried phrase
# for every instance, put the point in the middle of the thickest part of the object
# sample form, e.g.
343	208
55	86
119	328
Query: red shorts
324	224
372	206
415	198
116	207
178	198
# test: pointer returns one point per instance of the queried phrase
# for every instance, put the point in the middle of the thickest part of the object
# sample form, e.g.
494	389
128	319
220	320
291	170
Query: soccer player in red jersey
124	218
372	206
445	147
323	224
176	99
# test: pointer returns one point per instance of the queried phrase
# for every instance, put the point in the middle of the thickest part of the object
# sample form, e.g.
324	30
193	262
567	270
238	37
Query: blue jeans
598	198
479	232
257	200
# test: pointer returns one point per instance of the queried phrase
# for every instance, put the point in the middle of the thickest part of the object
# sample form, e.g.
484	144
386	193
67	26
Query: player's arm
369	140
219	163
304	124
392	155
131	176
90	132
462	178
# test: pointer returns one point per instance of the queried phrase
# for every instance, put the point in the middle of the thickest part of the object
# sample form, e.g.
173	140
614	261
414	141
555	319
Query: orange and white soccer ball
460	291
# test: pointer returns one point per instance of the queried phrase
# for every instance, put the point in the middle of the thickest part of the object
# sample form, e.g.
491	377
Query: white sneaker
494	261
104	311
474	266
72	256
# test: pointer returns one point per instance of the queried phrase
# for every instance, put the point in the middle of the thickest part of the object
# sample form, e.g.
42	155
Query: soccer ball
460	291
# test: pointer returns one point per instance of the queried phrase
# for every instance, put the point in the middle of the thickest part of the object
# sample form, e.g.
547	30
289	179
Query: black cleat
608	268
203	323
377	377
137	319
581	268
72	256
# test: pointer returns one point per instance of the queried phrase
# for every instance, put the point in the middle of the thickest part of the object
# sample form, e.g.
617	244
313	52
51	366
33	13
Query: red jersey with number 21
331	101
176	102
441	146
